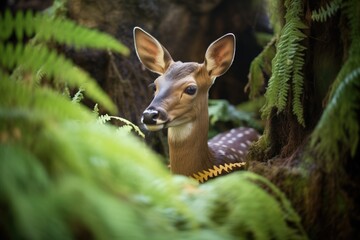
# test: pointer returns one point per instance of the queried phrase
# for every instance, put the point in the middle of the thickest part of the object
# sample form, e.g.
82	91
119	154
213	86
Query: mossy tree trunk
315	163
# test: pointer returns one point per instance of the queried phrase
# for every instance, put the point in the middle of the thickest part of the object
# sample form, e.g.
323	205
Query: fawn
181	104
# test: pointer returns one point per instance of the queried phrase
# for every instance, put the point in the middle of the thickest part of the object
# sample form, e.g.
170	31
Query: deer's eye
152	86
190	90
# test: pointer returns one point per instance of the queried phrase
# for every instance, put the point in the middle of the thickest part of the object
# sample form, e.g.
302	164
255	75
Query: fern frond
78	96
226	215
105	118
323	13
287	63
297	87
337	132
352	9
33	58
260	65
34	101
62	31
338	128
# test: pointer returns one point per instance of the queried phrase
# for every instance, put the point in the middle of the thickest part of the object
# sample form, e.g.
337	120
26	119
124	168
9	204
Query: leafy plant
340	118
65	175
35	56
323	13
287	65
127	124
221	111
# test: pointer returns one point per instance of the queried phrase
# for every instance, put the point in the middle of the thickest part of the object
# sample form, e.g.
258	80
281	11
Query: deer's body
181	105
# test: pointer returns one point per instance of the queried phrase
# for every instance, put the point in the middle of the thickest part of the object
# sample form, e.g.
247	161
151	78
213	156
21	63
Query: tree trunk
323	187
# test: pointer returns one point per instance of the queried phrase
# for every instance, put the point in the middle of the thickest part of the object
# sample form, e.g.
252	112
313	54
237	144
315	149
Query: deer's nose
150	116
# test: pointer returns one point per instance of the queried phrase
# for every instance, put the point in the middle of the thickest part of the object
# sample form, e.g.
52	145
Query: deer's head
181	90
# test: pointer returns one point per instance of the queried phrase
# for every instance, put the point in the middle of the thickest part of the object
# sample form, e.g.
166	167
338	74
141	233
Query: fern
39	58
287	64
226	215
32	58
338	130
260	65
128	125
34	102
78	96
62	31
96	182
297	85
124	190
323	13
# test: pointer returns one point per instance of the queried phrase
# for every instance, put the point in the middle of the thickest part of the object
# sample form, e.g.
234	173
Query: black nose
150	116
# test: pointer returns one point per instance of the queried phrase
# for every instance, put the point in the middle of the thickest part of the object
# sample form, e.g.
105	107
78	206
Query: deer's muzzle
154	119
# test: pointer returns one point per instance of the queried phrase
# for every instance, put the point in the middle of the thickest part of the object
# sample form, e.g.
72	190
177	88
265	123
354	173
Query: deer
180	104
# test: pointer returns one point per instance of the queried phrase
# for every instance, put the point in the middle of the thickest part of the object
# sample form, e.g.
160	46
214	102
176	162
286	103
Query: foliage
124	190
35	56
66	175
221	111
340	118
259	66
287	65
323	13
57	160
127	124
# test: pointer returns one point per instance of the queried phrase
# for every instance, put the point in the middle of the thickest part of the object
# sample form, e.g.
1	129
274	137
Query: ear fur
220	55
150	52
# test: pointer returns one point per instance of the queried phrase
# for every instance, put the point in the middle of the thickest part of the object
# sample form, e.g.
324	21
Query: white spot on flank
240	135
221	152
247	132
241	152
243	145
248	142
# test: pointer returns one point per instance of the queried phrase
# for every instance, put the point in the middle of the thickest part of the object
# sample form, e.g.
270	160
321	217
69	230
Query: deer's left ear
220	55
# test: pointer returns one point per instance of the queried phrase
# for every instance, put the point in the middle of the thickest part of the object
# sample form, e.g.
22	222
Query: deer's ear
220	55
150	52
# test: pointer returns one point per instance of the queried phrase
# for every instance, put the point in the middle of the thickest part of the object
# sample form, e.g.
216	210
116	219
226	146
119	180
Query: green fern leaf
260	65
287	63
60	30
322	14
34	102
128	125
338	129
39	57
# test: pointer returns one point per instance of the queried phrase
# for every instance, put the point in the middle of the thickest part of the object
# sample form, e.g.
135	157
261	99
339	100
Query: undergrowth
64	174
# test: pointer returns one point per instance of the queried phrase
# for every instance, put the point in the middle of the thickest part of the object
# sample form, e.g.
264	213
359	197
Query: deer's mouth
161	124
156	124
154	127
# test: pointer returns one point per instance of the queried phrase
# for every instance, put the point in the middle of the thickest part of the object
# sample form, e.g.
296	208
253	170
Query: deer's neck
188	146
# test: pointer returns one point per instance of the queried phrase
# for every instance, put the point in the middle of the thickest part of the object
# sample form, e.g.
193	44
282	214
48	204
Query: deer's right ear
150	52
